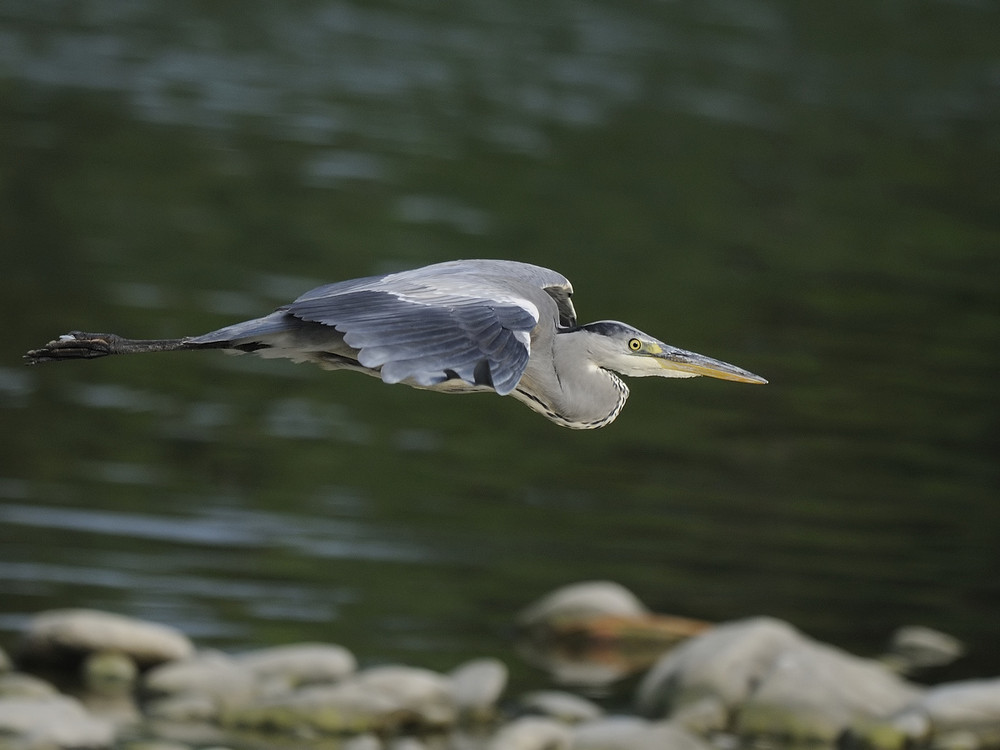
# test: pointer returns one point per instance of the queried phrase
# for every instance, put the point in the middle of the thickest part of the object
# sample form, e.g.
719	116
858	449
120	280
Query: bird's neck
570	389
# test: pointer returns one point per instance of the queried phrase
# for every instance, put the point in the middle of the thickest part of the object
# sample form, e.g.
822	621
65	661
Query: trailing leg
80	345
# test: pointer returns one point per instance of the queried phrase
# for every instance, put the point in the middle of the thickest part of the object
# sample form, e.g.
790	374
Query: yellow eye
634	344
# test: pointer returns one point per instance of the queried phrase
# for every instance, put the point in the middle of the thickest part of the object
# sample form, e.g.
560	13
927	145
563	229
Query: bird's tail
80	345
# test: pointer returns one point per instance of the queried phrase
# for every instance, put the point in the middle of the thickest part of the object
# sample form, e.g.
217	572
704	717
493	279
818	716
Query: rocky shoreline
136	685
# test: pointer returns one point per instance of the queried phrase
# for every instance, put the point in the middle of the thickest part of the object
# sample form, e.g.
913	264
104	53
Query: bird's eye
634	344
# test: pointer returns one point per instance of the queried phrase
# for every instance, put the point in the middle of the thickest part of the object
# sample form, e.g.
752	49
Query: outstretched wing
470	320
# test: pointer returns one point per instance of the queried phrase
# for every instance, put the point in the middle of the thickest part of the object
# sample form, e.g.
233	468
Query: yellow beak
692	364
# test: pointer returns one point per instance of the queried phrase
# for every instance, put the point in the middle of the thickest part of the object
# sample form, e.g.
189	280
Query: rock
959	714
405	743
595	633
580	600
532	733
557	704
156	745
5	665
344	708
300	664
184	708
813	692
362	742
382	699
56	721
766	679
425	695
477	685
211	674
961	705
633	733
68	635
719	667
20	685
914	647
109	673
109	681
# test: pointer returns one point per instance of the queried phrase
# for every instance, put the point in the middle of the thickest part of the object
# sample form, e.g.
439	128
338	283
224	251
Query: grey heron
456	327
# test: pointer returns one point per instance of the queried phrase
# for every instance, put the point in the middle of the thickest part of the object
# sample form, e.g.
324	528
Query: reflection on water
808	193
317	537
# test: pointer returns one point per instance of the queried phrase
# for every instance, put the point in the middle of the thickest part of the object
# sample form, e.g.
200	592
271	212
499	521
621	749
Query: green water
812	195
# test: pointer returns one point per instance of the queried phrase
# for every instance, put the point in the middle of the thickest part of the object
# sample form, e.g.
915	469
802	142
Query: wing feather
429	329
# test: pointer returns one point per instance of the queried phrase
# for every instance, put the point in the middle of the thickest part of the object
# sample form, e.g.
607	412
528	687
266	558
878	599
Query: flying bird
456	327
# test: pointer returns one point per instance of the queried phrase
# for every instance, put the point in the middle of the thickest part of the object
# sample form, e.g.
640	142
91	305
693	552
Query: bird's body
460	326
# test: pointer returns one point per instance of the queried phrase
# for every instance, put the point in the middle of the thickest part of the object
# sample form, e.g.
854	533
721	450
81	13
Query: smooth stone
109	672
815	691
300	664
579	600
769	680
561	705
426	695
915	647
721	664
184	708
633	733
56	721
962	705
477	685
362	742
380	699
956	715
62	634
405	743
21	685
344	708
210	673
532	733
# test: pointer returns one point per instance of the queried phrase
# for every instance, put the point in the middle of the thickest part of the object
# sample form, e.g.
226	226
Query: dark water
811	194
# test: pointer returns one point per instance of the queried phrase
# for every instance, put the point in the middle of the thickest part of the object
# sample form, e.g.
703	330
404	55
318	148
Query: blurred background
811	193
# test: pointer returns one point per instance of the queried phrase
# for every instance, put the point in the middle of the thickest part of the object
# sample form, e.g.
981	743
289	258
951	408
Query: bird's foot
74	345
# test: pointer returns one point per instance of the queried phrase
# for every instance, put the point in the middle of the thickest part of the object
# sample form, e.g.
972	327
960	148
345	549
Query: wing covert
426	334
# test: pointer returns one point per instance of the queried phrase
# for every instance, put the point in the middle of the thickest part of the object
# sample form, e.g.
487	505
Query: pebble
633	733
345	708
109	673
758	678
67	635
300	664
210	673
956	715
362	742
477	685
184	709
425	695
579	600
768	680
532	733
21	685
558	704
915	647
55	721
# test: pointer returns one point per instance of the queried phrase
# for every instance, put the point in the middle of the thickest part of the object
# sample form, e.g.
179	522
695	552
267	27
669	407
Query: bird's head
628	351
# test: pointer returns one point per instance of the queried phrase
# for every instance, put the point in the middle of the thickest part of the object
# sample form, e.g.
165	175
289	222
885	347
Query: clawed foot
73	345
